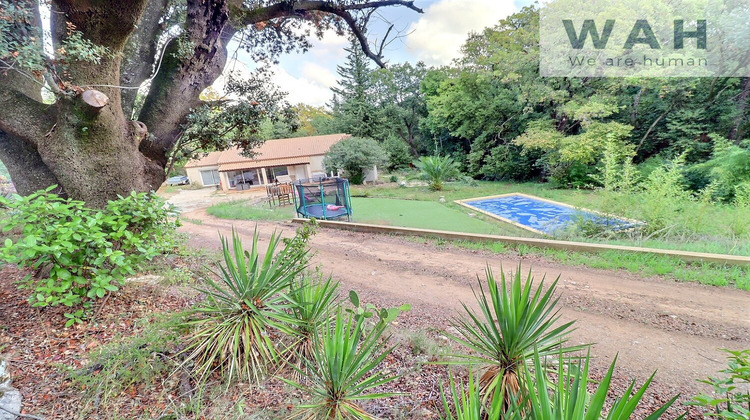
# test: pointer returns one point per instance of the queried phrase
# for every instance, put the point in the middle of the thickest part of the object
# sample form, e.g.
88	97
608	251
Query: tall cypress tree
354	110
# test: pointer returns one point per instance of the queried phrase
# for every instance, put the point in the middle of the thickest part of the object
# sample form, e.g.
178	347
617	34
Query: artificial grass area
422	215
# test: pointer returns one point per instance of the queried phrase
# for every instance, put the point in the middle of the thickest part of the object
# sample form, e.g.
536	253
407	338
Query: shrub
511	326
567	399
398	152
730	400
726	172
664	195
342	368
436	170
80	254
355	155
232	333
617	171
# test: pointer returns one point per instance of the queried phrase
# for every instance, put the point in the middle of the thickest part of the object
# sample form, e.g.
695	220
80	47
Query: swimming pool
541	215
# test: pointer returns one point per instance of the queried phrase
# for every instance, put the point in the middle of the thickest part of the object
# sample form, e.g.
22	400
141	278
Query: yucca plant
342	369
314	299
511	323
570	400
470	404
436	170
243	308
567	399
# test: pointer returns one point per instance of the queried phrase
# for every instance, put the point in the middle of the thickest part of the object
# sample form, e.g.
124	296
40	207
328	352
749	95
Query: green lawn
423	215
243	210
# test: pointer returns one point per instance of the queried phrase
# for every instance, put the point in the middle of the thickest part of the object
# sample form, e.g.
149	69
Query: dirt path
653	324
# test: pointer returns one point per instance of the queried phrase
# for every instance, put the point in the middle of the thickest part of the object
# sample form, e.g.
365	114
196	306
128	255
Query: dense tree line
494	113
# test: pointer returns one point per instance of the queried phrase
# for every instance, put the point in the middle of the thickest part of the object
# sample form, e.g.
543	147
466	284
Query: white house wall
194	174
316	164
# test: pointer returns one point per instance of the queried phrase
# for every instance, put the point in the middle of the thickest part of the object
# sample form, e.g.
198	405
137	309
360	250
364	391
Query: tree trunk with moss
93	141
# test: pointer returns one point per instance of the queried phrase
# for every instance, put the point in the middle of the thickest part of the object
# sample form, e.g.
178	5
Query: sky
434	37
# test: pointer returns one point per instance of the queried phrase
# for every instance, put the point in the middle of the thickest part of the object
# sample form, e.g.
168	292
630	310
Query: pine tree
354	110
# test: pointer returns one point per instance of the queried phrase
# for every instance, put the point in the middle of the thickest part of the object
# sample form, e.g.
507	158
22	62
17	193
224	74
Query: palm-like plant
568	399
470	404
341	371
436	170
512	323
314	298
243	308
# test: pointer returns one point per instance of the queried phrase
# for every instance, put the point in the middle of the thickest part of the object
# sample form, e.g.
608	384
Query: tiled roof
277	150
265	163
211	159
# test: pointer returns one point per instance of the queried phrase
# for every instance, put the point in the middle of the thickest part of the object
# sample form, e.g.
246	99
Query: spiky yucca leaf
570	400
472	403
342	371
512	322
567	399
231	332
314	298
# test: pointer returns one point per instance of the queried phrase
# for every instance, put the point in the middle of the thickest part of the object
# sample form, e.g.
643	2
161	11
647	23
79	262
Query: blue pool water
543	216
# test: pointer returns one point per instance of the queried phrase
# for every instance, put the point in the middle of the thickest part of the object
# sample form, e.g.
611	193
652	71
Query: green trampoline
326	198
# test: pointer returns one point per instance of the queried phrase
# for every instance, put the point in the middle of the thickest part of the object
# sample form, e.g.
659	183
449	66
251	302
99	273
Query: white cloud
313	87
437	36
303	89
318	74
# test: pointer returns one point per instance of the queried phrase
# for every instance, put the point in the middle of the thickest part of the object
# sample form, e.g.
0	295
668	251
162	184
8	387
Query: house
280	160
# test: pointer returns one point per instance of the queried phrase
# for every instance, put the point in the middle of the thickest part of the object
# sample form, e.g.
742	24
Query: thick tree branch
103	23
300	8
139	55
27	170
285	9
177	86
24	117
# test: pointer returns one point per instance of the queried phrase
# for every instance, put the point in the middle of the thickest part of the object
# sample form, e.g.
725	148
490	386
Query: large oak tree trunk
85	141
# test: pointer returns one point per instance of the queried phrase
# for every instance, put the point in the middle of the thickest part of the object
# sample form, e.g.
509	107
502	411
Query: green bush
566	399
355	156
344	362
398	152
80	254
726	173
731	399
314	300
664	196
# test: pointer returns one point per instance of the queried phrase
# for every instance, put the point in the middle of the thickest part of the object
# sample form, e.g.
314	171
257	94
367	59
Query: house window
279	170
209	178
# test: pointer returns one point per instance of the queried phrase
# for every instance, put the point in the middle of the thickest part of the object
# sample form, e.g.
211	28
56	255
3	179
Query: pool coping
462	202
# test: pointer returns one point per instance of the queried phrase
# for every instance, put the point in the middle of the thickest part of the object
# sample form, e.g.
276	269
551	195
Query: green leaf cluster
436	170
354	156
79	254
232	330
731	399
